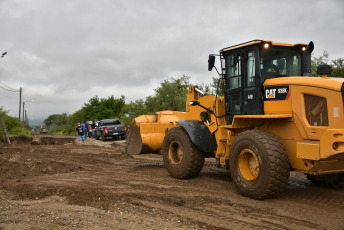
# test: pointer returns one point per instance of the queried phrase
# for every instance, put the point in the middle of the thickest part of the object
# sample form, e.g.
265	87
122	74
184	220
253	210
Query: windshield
279	62
115	122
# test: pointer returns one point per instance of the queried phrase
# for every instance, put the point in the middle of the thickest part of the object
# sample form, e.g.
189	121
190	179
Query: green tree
337	68
77	116
215	85
14	127
98	109
336	64
170	95
316	61
56	119
11	123
132	110
320	60
90	110
151	105
57	122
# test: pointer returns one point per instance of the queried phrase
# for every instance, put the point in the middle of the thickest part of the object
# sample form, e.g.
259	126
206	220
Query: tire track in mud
302	195
276	218
208	219
223	208
108	178
227	217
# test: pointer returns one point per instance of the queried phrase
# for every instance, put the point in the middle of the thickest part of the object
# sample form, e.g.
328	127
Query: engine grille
316	110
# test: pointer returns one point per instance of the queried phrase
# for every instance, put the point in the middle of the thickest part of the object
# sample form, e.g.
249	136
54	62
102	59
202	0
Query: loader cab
246	66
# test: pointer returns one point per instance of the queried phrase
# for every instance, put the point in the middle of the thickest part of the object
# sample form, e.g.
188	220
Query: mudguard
199	134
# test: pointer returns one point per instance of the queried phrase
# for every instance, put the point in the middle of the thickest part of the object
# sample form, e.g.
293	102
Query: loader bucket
140	141
146	133
134	140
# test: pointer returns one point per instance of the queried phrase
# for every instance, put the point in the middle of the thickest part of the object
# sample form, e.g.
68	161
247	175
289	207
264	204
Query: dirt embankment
97	186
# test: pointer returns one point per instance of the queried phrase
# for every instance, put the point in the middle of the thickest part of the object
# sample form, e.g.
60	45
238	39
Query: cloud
62	53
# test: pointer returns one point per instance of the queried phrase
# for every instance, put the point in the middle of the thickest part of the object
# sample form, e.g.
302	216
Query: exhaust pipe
306	59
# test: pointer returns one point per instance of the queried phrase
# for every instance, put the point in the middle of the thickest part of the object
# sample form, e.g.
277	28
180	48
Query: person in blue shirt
84	129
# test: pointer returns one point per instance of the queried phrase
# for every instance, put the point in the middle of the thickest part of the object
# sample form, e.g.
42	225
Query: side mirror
194	102
211	62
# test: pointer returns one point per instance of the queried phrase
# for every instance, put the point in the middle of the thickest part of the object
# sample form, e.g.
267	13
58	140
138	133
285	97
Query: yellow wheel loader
273	118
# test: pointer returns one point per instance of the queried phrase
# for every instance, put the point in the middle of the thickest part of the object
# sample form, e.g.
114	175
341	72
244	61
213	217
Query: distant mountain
36	122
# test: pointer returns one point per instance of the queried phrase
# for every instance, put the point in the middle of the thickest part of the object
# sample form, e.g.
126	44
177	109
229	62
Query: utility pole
20	97
23	111
24	118
1	121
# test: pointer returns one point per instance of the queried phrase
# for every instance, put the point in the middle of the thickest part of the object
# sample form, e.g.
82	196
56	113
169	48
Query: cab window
234	72
280	62
233	82
251	70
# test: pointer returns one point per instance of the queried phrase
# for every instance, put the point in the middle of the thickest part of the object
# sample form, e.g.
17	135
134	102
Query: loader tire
259	164
181	158
103	137
334	180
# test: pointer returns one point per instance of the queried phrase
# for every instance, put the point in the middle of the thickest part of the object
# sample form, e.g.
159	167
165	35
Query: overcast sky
64	52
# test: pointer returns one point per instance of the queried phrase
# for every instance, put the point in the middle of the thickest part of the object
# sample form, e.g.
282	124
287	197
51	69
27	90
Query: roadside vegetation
14	127
336	64
169	95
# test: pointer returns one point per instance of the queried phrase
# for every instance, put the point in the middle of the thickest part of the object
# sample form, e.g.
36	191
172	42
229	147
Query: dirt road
96	186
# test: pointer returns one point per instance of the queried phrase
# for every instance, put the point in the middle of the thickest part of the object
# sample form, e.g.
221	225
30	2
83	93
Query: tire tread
278	159
196	163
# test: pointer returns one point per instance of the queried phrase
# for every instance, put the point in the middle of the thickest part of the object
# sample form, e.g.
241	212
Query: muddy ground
57	184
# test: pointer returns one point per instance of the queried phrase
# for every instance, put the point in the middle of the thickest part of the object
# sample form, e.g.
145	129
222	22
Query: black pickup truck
110	128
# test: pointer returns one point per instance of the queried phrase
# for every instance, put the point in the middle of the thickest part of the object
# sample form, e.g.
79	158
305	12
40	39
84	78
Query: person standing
84	129
81	135
94	129
87	130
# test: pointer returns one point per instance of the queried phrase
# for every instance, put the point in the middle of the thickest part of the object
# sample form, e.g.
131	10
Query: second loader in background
273	118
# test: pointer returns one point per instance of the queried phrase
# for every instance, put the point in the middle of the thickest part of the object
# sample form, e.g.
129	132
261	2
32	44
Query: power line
15	91
8	86
10	89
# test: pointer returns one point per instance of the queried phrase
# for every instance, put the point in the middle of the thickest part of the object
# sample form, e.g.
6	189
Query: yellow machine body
309	122
310	148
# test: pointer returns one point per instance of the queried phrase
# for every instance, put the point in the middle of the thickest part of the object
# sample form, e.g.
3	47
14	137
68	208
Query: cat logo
276	93
270	93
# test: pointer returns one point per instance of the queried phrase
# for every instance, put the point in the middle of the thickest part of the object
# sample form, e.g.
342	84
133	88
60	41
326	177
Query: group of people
83	131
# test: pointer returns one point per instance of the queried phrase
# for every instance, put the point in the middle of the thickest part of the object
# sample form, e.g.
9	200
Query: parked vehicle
110	128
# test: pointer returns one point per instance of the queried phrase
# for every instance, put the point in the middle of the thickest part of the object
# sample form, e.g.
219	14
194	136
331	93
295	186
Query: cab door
242	83
252	90
233	85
